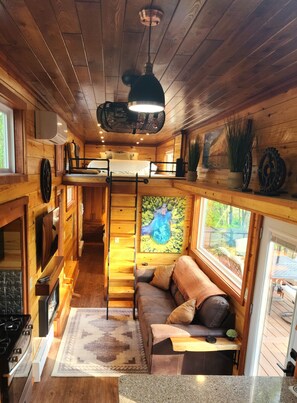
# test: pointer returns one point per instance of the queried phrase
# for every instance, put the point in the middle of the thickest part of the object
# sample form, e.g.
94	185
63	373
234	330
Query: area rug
94	346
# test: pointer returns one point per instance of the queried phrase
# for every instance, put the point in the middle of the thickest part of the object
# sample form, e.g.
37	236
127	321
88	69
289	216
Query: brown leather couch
212	318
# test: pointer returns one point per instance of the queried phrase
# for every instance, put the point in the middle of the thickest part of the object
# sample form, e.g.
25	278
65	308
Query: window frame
9	141
210	267
18	106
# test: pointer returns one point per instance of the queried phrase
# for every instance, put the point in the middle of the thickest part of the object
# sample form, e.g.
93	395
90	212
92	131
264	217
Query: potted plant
231	334
193	159
240	137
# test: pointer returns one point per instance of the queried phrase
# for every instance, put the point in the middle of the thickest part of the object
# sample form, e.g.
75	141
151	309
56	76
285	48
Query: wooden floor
275	338
82	390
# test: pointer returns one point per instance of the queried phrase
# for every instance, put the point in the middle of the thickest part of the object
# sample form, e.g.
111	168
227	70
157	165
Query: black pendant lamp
146	93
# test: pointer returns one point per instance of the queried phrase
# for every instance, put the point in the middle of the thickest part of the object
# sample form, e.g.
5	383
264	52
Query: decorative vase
192	176
235	180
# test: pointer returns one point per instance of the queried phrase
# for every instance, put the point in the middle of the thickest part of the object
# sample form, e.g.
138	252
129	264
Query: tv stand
53	270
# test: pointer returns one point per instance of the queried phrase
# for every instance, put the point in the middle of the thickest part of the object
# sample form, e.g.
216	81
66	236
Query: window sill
8	179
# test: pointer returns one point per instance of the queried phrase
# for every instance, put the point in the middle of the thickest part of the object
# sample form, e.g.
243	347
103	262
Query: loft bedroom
78	62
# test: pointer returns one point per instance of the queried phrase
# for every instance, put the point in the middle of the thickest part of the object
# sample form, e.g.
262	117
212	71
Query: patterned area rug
94	346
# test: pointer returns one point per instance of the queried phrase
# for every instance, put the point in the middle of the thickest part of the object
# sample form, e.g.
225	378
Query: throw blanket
192	282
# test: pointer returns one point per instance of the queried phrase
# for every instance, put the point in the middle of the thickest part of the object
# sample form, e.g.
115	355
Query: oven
15	358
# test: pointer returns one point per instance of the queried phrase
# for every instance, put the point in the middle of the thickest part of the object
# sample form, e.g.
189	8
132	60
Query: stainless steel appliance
15	358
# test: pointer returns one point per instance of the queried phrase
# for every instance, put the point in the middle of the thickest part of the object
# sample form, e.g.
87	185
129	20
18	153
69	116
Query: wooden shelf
53	270
200	345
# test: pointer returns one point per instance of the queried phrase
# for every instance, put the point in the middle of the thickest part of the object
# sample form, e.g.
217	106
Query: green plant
240	137
194	154
231	333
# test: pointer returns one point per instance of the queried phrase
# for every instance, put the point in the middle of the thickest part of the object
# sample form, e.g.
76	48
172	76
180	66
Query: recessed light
101	132
141	139
102	141
137	142
98	124
102	137
60	124
147	134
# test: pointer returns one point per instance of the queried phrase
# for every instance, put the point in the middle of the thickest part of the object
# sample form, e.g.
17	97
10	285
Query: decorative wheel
271	171
46	180
247	171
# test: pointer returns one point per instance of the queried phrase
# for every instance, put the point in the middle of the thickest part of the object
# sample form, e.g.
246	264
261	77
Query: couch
212	317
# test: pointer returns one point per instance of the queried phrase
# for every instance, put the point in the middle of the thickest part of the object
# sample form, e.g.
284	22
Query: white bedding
124	167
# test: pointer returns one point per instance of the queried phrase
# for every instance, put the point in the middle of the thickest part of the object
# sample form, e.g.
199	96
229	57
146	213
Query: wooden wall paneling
275	124
144	153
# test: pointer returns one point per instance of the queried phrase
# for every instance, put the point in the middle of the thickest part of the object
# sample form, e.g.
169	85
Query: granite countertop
204	388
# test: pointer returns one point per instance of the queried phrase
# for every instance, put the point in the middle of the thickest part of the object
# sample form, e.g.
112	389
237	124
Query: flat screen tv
50	236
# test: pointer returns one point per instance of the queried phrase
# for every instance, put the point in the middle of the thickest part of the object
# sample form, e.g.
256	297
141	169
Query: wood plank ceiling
211	56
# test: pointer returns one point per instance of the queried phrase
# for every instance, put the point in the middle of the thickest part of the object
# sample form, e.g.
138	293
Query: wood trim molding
12	210
280	208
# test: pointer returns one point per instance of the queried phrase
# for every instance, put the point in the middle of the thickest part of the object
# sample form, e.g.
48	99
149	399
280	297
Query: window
168	159
222	238
7	161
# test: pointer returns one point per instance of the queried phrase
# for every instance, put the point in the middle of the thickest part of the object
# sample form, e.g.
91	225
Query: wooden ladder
122	238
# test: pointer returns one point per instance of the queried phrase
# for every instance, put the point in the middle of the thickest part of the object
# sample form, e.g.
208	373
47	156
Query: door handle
289	370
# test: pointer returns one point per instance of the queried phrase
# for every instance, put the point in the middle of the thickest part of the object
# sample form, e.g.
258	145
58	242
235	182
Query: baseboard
41	355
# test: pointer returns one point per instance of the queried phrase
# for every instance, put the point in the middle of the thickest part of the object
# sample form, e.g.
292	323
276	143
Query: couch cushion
145	289
183	314
162	276
213	311
192	282
156	305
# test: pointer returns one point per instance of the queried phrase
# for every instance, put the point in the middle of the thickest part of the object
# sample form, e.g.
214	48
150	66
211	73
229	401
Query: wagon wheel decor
271	172
46	180
247	172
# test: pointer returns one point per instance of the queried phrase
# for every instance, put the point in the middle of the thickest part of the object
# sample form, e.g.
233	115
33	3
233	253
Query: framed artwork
211	158
162	224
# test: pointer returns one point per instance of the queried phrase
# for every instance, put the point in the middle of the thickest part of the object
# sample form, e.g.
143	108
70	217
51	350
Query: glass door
272	331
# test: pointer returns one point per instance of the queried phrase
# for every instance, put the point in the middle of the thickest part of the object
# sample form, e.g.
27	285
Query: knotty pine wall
147	153
275	123
35	150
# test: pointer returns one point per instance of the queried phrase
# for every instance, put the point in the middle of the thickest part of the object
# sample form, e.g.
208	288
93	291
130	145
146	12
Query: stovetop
13	330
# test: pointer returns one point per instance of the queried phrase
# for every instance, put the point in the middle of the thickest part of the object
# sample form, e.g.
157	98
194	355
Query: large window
222	238
7	161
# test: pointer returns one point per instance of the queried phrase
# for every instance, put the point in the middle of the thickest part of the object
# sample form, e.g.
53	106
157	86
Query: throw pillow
162	276
183	314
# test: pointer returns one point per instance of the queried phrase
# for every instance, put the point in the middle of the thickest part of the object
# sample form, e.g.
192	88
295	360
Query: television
50	236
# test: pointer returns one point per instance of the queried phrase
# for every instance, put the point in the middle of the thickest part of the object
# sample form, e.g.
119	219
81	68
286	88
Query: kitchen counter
204	388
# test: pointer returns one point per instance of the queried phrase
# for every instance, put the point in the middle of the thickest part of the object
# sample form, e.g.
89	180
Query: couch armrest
145	275
161	332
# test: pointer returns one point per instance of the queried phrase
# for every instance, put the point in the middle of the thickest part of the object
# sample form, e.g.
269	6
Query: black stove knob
14	358
26	332
30	326
17	351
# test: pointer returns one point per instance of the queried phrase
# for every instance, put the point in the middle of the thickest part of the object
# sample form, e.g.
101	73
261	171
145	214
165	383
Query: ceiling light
102	137
146	93
141	139
137	142
101	132
102	141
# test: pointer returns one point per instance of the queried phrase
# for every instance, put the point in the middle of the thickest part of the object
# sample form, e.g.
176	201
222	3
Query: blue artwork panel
162	224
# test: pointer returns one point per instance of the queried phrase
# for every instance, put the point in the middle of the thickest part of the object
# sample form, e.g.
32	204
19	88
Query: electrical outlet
116	240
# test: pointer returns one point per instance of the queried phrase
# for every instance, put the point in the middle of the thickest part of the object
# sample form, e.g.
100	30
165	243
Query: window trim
8	139
13	101
210	268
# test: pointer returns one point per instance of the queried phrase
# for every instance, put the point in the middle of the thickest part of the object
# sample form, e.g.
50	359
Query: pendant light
146	93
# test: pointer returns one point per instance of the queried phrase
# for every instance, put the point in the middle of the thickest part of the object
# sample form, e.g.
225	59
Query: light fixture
146	93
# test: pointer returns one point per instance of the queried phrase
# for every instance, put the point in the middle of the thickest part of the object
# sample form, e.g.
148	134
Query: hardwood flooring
79	390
